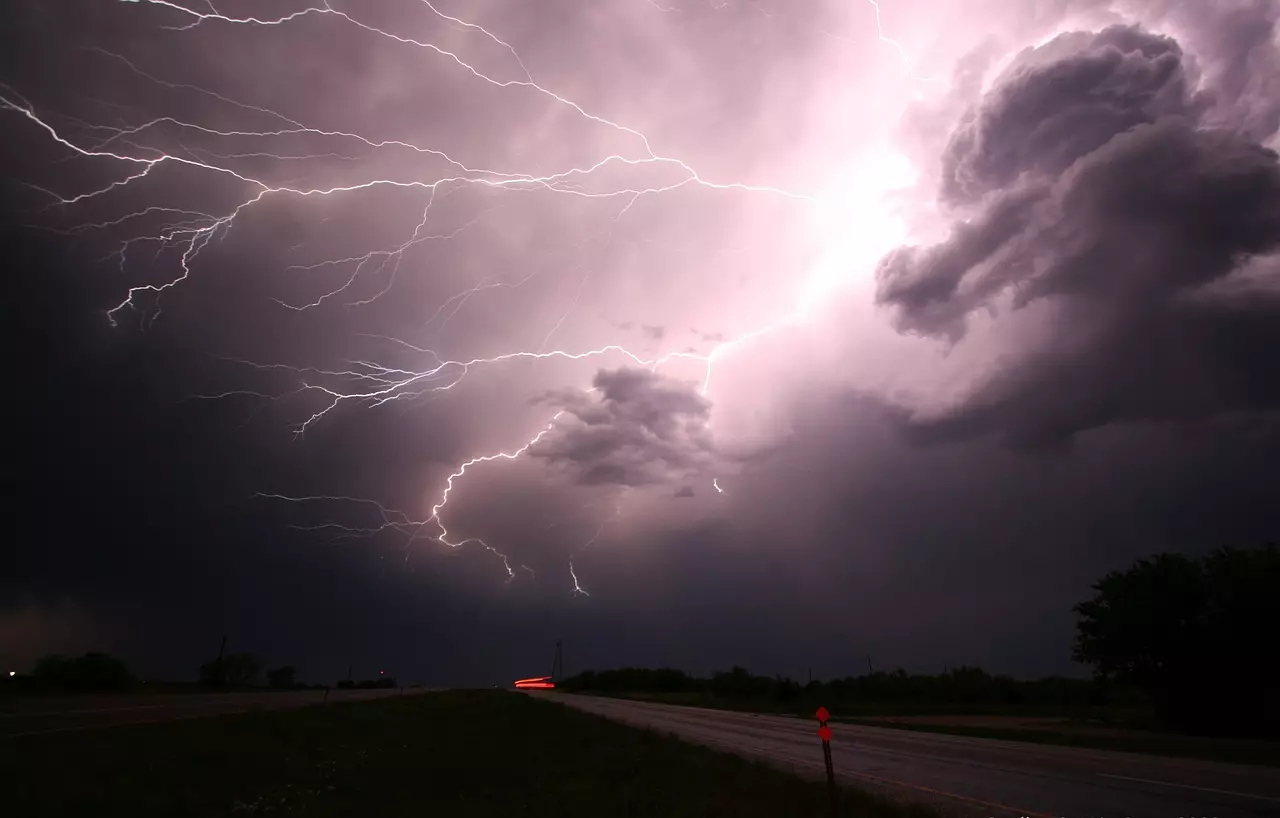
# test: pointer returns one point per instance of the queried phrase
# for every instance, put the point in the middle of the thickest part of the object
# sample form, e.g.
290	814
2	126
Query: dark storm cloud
1236	45
635	428
1044	117
926	282
1100	190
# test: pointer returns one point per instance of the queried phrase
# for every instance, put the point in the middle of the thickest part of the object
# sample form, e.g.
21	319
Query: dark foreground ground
33	715
454	753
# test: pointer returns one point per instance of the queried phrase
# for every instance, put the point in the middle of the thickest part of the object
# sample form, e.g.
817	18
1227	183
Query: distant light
13	673
381	672
537	683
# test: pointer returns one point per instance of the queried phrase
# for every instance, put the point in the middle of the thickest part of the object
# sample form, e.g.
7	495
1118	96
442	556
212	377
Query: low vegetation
485	753
959	690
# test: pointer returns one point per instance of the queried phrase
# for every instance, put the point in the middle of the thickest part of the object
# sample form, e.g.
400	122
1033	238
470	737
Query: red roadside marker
824	733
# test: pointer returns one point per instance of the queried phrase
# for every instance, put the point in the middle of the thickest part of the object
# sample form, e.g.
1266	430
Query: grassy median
460	753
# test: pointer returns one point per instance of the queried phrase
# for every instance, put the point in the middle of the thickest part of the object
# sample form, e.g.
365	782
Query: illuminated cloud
1061	101
635	428
1098	186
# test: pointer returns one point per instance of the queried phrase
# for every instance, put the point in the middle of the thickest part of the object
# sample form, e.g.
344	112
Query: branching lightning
131	148
578	590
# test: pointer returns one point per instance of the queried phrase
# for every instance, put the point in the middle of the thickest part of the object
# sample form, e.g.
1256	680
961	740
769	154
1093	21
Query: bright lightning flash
369	383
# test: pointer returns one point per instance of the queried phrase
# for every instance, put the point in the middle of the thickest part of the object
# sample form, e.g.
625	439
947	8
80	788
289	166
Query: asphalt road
969	775
38	715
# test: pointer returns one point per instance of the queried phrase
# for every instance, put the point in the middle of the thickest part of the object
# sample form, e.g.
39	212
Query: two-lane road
34	716
969	775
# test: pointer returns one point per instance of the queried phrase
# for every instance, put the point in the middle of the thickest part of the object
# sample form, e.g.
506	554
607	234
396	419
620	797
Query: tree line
103	673
968	686
1193	639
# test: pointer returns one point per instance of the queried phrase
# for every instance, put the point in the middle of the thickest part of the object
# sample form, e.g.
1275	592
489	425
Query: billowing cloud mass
762	332
635	428
1089	178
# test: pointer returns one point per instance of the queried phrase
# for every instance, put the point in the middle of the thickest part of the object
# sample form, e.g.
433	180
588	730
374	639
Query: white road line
1190	787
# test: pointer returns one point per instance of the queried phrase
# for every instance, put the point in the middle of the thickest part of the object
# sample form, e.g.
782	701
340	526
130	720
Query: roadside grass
873	714
480	753
1234	751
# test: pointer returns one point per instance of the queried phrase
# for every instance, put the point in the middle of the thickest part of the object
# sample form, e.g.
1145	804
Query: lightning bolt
578	590
902	52
131	148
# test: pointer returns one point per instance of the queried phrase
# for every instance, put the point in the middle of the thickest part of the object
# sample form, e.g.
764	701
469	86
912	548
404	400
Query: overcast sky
780	334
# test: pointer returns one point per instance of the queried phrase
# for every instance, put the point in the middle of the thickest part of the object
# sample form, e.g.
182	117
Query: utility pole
217	665
557	665
869	670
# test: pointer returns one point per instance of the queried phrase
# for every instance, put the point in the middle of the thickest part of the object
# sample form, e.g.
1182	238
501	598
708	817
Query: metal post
831	775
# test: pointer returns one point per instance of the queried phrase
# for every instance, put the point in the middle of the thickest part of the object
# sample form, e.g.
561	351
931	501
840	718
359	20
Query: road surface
21	716
970	775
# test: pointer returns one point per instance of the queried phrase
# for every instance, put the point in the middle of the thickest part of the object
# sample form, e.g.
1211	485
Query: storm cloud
635	428
1097	186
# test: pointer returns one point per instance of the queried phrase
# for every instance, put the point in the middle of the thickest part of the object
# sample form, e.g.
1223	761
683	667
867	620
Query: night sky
791	340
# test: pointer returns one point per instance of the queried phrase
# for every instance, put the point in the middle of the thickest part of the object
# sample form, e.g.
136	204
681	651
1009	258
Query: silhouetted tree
785	690
382	682
90	672
283	677
234	670
1197	635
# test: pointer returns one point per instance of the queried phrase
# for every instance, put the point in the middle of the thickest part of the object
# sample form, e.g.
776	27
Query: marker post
824	733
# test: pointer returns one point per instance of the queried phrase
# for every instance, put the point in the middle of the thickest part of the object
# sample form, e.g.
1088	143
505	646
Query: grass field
459	753
1093	728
